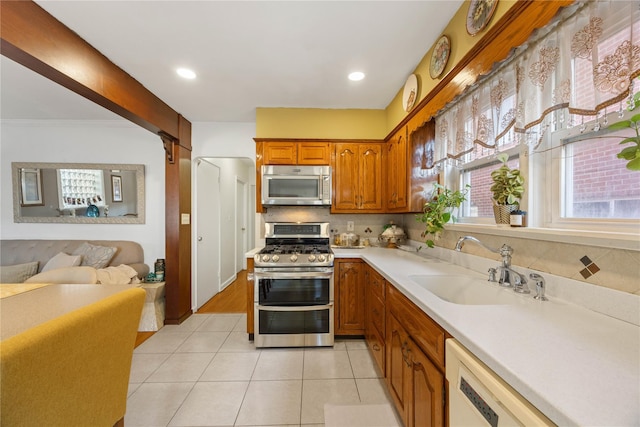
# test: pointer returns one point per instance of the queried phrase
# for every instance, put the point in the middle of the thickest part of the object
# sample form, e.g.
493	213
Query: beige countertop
576	365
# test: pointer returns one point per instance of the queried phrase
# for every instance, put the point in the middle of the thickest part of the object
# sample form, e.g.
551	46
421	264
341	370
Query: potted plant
439	210
507	189
630	154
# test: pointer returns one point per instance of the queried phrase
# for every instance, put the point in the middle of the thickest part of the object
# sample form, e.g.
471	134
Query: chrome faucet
508	276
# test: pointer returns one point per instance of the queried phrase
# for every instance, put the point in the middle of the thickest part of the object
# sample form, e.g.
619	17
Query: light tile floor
205	372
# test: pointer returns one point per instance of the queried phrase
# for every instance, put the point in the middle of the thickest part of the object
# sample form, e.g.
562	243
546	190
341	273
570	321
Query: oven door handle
295	308
285	273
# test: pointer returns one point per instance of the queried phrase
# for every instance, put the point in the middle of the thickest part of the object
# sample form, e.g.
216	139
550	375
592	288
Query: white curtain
577	68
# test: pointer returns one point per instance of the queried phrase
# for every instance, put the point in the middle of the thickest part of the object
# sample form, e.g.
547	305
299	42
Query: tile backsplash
362	222
617	269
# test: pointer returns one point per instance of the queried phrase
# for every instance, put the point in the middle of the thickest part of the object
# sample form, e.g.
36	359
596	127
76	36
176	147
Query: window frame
555	169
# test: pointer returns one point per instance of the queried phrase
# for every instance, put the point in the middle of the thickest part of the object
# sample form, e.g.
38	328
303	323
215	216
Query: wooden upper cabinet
421	145
358	182
371	177
296	153
314	153
397	168
280	153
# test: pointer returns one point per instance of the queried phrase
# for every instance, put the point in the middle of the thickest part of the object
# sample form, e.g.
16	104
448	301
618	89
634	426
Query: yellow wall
369	124
461	44
320	123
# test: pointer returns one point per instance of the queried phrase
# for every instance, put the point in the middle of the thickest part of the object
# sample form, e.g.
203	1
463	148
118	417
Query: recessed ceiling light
186	73
356	76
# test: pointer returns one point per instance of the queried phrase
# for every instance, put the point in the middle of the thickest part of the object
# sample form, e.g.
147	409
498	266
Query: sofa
27	251
72	370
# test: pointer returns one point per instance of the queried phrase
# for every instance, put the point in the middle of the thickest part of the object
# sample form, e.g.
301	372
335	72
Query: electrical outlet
350	226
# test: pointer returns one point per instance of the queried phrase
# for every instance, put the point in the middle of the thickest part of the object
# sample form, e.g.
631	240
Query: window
590	188
596	183
80	187
480	203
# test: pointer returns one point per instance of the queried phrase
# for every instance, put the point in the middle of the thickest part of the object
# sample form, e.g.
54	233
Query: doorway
225	214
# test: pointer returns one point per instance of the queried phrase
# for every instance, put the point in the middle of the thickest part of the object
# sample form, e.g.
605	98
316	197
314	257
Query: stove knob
322	258
312	258
265	258
294	258
257	257
275	258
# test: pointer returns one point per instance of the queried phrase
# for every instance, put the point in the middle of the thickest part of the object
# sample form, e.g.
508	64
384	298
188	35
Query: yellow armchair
72	370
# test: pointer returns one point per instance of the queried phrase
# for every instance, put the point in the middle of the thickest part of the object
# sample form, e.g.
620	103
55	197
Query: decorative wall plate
479	15
439	57
410	93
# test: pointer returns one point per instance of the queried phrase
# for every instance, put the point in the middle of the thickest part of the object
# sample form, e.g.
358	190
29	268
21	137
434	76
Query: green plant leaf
620	125
628	153
430	243
634	164
633	139
635	118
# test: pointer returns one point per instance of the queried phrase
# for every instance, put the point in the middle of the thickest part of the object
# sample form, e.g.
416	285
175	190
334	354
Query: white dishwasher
479	397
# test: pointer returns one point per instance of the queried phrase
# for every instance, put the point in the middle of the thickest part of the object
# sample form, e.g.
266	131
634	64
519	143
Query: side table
152	318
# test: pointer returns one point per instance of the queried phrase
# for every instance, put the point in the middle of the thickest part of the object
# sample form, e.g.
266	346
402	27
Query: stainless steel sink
466	290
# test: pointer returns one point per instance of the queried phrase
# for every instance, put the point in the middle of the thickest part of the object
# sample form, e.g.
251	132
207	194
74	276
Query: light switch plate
185	219
350	226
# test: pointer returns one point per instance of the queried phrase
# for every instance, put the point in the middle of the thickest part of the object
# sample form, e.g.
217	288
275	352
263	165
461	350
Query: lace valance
581	64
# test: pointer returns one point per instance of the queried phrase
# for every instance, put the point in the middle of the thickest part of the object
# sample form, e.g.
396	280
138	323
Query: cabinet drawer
377	282
377	314
427	334
377	349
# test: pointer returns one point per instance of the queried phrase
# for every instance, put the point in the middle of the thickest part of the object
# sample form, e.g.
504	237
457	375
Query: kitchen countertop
577	366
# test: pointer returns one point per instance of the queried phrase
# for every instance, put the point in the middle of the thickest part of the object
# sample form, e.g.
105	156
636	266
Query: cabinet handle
376	347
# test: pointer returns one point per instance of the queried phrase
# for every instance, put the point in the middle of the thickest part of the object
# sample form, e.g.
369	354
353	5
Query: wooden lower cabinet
427	395
415	380
349	298
375	329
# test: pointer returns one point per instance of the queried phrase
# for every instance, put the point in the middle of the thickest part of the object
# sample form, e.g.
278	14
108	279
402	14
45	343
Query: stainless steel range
294	286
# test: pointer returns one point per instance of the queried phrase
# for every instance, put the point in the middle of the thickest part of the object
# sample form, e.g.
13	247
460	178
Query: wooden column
32	37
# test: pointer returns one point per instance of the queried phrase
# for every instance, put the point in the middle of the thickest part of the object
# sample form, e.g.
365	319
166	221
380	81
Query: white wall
233	140
86	142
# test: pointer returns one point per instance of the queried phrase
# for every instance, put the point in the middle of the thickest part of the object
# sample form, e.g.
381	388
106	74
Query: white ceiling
247	54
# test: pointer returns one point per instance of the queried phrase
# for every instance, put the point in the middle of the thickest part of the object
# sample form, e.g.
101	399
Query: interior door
241	224
207	226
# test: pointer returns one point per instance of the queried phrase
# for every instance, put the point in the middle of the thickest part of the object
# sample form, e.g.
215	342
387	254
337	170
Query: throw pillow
62	260
95	256
18	273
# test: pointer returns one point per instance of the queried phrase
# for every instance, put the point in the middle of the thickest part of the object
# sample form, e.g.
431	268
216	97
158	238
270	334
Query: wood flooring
233	299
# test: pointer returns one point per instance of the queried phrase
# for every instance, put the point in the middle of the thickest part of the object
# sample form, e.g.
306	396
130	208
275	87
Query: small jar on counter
518	218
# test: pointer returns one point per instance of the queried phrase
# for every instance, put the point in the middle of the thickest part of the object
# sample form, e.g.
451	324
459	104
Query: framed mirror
78	193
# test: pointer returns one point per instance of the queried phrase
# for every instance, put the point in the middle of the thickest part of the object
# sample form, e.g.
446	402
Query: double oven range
293	298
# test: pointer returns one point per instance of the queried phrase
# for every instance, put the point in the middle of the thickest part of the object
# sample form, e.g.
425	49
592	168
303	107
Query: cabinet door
398	366
374	316
350	304
314	153
392	176
371	190
345	182
426	408
279	153
397	172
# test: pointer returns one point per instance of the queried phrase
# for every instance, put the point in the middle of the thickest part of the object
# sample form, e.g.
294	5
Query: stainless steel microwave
296	185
